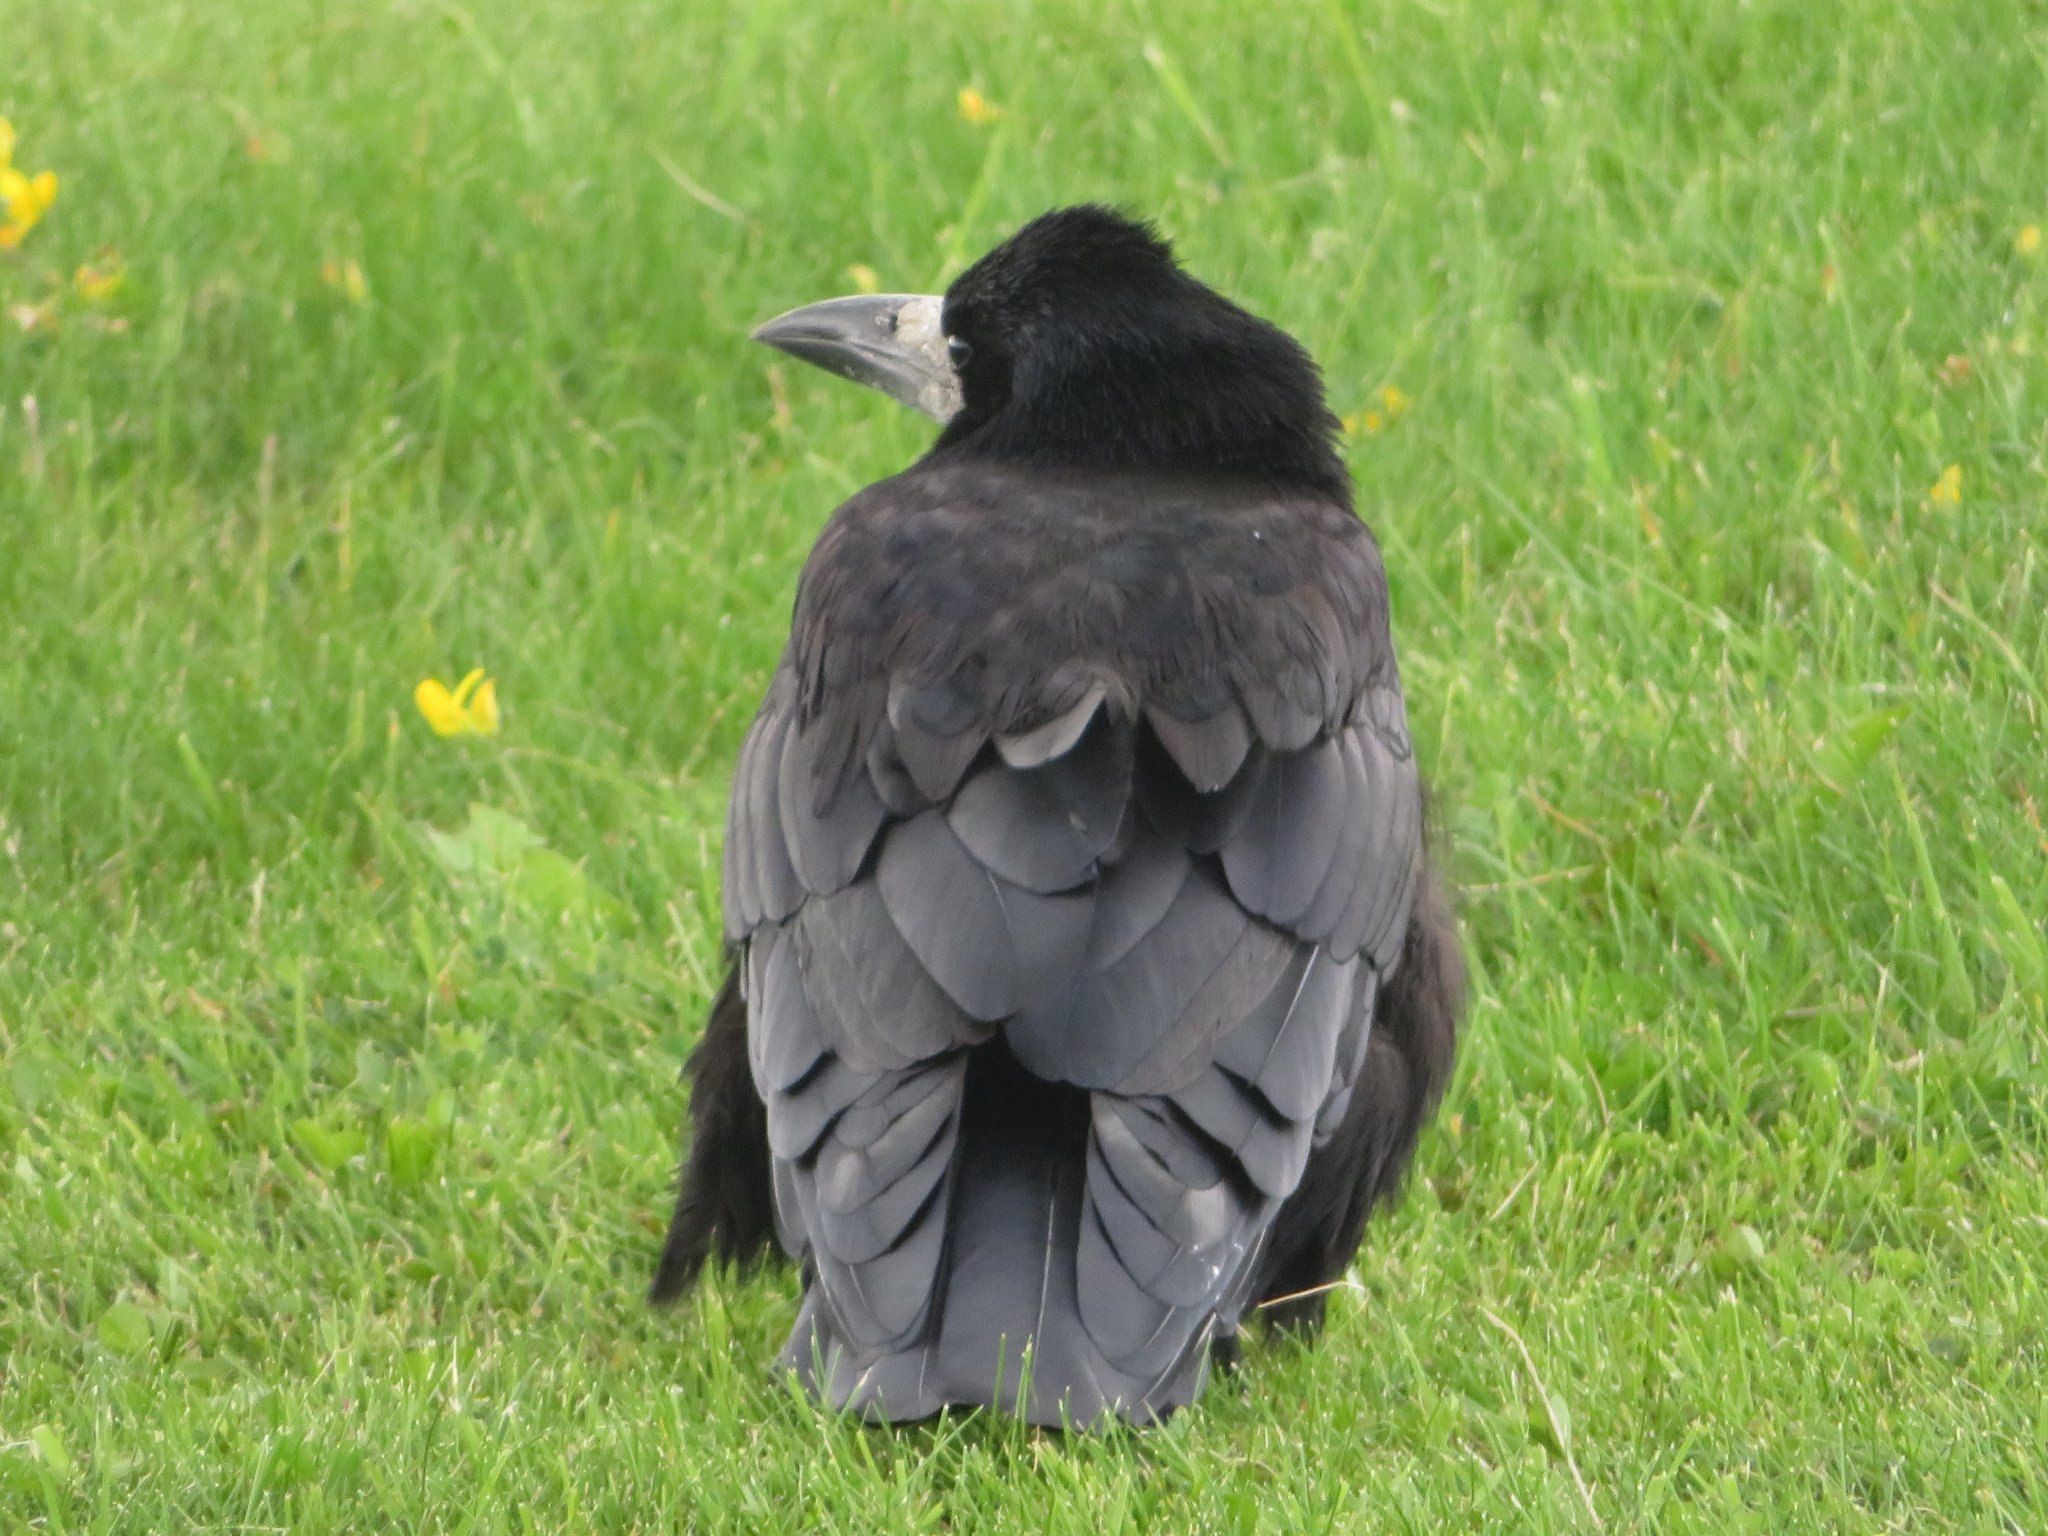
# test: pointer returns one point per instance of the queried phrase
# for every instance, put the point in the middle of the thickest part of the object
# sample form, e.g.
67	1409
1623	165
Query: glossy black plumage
1095	983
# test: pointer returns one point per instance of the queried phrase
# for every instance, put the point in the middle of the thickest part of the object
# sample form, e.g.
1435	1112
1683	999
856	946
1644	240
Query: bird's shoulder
1005	584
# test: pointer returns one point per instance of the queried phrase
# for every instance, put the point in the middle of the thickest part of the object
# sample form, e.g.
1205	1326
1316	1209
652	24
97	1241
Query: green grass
333	1155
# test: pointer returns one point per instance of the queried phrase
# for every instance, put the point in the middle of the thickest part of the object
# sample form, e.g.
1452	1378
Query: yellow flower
863	278
27	199
1948	490
471	709
977	108
2028	242
23	199
99	281
483	708
348	277
1394	404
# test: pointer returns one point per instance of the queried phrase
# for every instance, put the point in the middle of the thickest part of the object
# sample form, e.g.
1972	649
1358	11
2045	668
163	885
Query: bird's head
1079	341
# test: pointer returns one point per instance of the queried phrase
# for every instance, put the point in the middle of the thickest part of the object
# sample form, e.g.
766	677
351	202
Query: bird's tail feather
1006	1325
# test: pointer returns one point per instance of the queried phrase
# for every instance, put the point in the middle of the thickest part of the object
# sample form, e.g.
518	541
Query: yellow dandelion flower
863	278
2028	241
1396	402
977	108
471	709
1948	490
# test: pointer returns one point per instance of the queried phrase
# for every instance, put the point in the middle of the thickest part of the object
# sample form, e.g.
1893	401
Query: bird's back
1068	858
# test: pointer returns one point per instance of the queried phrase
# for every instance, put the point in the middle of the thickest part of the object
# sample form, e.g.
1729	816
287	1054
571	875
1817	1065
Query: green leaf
1841	759
373	1067
441	1108
1845	754
1957	994
555	888
1738	1249
2019	941
49	1447
1550	1425
411	1148
202	781
498	853
34	1082
124	1328
331	1146
493	842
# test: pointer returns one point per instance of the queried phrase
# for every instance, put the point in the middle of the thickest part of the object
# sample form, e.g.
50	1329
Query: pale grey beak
888	341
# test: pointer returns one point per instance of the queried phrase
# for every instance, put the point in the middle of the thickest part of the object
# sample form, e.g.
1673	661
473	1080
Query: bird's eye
959	351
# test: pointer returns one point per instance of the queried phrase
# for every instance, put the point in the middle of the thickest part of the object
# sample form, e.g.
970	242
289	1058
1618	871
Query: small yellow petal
440	709
467	686
483	709
6	143
44	186
863	278
977	108
1373	422
14	187
97	282
1948	490
353	283
1396	402
2028	243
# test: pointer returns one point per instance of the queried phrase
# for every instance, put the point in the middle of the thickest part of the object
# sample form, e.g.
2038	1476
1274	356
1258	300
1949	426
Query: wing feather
1172	878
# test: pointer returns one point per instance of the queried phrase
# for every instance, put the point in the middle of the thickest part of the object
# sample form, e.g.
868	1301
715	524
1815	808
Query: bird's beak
888	341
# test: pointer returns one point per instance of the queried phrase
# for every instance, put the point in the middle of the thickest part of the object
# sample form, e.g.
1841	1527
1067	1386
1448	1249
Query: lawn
1696	363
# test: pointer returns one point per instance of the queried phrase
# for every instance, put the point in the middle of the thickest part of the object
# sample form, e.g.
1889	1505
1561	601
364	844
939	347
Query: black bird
1090	980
